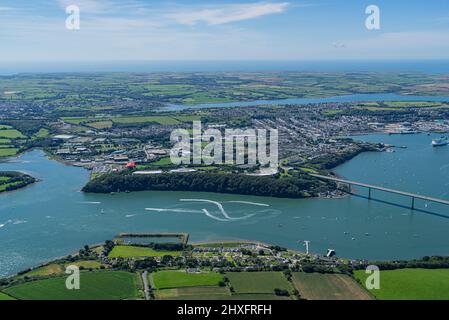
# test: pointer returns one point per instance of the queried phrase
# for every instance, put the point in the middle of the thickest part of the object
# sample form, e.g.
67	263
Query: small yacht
443	141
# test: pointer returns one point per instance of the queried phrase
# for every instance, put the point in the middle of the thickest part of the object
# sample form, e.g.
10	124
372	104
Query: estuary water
53	218
301	101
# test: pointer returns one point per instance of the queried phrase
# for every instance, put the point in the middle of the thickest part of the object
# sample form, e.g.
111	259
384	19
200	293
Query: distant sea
425	66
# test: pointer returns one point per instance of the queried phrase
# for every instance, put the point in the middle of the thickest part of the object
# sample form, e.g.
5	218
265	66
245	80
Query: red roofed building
131	165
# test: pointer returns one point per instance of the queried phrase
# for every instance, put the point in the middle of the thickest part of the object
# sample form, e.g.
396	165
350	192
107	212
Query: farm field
257	297
8	152
316	286
137	252
410	284
42	133
4	297
194	293
45	270
258	282
107	285
107	122
11	134
87	264
166	161
168	279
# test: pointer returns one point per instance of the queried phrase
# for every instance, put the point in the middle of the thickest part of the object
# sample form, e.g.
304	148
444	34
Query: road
146	289
370	186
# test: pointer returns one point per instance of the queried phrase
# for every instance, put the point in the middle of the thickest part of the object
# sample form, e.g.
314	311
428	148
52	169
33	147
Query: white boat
443	141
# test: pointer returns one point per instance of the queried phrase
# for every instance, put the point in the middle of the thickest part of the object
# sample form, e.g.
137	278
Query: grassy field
316	286
8	152
194	293
42	133
11	134
45	270
101	124
4	297
107	122
136	252
257	296
4	185
54	268
87	264
258	282
107	285
220	244
161	120
168	279
411	284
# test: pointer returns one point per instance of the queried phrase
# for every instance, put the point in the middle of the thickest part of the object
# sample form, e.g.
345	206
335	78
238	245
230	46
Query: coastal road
146	289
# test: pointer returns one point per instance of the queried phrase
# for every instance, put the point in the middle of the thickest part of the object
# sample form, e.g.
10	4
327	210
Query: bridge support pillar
413	203
369	193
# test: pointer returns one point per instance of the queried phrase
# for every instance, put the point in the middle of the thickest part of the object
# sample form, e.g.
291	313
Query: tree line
297	186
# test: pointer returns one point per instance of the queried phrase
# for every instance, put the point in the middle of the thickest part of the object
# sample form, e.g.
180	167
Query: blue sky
223	30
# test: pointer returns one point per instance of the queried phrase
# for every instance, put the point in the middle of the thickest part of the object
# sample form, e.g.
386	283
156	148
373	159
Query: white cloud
104	6
227	13
338	45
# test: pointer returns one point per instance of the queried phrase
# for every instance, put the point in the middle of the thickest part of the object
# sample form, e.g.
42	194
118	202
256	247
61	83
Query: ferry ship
443	141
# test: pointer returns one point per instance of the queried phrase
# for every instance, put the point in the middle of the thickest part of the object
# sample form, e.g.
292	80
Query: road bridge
413	196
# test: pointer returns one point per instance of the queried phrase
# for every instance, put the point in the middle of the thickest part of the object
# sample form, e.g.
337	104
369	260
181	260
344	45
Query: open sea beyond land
423	66
53	218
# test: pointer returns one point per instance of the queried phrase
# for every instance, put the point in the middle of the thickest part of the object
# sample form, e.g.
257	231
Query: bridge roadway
373	187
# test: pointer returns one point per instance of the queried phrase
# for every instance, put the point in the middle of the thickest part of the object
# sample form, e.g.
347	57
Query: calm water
426	66
301	101
52	218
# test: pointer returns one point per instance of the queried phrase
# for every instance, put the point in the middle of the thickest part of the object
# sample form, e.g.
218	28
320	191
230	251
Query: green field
11	134
45	270
410	284
42	133
139	252
258	282
108	285
4	297
3	186
101	124
8	152
106	122
177	279
87	264
160	120
166	161
194	293
54	268
317	286
257	297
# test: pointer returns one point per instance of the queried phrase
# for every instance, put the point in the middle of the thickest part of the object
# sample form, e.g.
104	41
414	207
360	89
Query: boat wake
223	216
250	203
